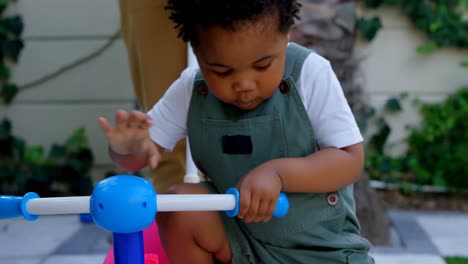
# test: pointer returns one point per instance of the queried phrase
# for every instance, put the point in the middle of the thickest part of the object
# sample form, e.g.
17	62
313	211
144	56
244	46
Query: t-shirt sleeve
169	115
330	115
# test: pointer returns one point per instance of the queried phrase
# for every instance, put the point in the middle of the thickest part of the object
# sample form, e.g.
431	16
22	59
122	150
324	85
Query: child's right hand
130	136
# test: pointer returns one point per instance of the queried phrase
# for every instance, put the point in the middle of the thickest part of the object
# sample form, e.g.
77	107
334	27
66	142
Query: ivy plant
62	171
437	147
11	45
441	20
65	168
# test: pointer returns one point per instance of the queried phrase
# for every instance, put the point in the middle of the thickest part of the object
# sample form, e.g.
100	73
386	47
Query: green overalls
319	227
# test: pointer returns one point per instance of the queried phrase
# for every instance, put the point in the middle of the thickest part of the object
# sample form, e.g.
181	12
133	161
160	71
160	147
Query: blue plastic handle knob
10	207
281	208
15	206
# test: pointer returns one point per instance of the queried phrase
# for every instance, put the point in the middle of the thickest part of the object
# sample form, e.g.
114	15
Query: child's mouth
244	104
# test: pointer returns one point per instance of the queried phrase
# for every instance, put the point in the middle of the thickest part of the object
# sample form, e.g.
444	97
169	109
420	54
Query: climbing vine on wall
437	146
11	44
442	21
65	168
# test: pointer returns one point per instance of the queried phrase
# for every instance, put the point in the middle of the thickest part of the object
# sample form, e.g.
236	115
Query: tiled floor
425	237
449	234
408	259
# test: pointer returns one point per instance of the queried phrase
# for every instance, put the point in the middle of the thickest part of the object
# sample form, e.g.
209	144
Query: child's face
242	67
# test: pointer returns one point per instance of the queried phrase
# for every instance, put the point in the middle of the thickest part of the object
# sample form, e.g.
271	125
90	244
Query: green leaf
77	140
40	175
372	3
439	180
8	92
3	5
4	30
464	64
15	24
34	155
404	95
427	48
6	171
393	105
5	129
435	26
19	148
369	27
378	140
4	72
12	48
57	152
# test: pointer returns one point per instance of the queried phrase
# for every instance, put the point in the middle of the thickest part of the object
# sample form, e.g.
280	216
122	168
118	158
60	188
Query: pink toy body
154	251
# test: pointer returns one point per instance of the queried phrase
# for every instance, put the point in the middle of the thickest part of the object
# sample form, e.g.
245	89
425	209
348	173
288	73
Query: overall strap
295	57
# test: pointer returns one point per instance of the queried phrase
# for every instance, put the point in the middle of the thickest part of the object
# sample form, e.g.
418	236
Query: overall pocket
225	169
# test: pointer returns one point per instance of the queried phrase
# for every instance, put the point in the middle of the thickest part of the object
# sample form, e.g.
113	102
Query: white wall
58	32
391	66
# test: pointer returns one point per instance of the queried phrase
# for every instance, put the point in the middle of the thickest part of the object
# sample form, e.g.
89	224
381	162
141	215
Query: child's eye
222	74
262	67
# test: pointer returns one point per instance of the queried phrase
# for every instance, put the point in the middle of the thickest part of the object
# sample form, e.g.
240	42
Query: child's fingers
139	119
105	126
253	208
153	155
262	211
121	117
244	203
270	210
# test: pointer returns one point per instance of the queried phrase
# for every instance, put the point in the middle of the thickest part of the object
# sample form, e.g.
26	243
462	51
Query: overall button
284	87
332	199
202	89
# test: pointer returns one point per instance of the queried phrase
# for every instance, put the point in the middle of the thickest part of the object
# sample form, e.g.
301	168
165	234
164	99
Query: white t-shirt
329	113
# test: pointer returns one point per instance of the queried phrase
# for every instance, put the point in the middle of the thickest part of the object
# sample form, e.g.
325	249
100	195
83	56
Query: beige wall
58	32
391	66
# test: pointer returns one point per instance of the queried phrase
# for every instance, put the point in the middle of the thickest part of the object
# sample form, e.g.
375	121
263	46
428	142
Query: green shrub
437	147
64	171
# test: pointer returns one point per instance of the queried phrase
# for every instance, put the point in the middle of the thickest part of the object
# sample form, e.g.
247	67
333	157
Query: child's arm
326	170
130	145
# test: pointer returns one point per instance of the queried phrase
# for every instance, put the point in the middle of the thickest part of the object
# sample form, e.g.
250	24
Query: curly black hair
188	14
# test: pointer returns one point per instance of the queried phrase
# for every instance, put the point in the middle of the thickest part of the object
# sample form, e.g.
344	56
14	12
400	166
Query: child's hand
130	136
259	191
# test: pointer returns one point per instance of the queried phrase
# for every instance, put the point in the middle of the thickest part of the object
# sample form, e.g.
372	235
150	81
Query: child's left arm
326	170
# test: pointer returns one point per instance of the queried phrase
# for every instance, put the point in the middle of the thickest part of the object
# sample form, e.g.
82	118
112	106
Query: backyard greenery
437	147
441	20
455	260
62	171
65	170
11	45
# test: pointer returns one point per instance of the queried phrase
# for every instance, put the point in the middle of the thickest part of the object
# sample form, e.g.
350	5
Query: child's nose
244	86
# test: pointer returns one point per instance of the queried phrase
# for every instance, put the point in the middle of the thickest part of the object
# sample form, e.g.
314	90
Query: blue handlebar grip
10	206
281	208
14	206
